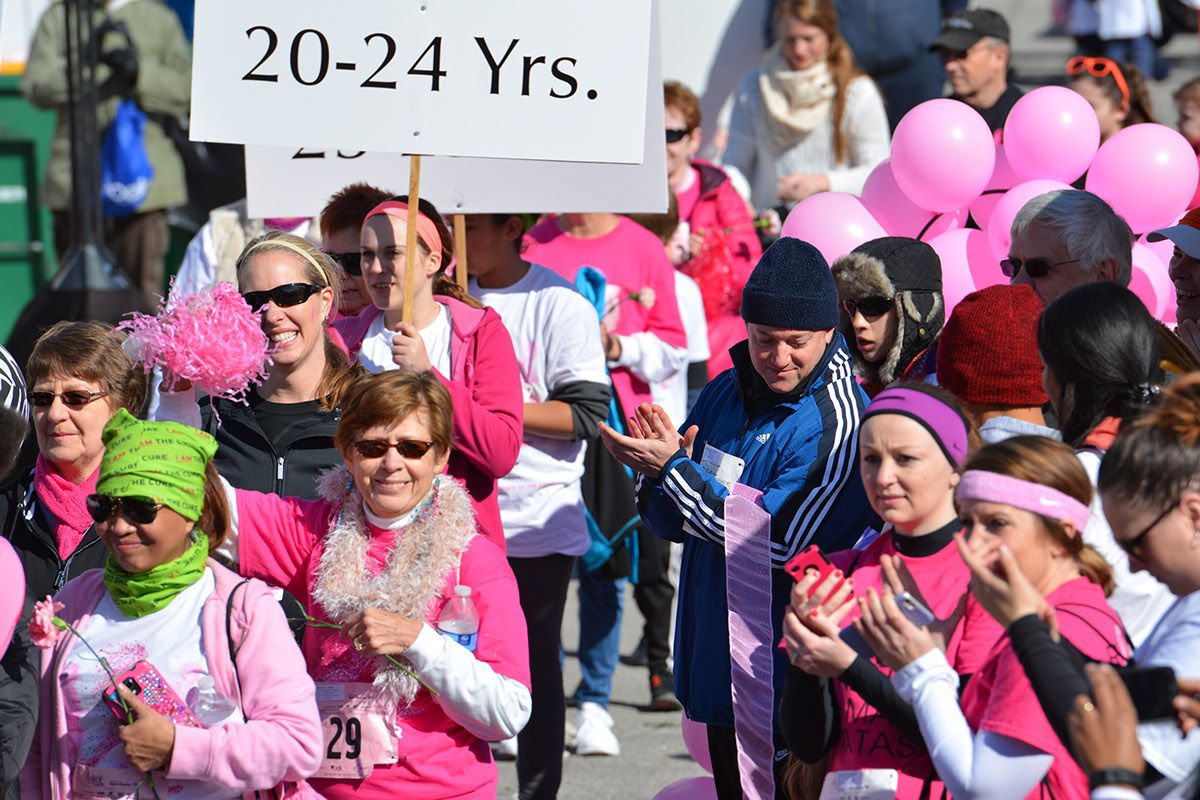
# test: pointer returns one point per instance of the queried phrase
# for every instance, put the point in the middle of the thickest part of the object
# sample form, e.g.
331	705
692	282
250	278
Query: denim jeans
601	601
1139	52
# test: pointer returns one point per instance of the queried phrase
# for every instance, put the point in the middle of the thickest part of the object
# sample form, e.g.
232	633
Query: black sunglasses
351	263
1131	546
138	509
290	294
1034	267
676	134
407	448
869	306
74	398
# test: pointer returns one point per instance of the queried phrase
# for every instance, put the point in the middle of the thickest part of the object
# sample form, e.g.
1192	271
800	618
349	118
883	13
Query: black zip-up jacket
246	458
28	528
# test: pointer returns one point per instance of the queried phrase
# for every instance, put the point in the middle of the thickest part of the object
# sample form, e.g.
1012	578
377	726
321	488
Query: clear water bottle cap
205	683
462	591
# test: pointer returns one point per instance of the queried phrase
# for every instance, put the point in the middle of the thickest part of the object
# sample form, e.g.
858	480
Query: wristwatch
1115	776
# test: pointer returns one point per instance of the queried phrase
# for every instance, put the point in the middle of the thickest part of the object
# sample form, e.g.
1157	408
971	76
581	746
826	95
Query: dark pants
543	584
654	595
722	748
139	242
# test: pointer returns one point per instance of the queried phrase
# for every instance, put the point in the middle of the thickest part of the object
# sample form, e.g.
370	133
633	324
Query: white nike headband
992	487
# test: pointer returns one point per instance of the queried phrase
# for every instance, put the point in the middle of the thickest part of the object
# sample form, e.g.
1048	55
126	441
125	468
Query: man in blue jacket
784	420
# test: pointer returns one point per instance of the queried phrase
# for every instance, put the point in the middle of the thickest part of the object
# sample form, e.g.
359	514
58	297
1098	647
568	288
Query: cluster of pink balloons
695	737
945	165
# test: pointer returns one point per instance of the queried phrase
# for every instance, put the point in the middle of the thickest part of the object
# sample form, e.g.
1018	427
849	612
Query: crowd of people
983	520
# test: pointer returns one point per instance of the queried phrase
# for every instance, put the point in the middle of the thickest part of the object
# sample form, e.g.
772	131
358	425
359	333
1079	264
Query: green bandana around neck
142	593
161	461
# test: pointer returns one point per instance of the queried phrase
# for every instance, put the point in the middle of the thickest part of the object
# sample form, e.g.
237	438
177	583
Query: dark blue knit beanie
791	287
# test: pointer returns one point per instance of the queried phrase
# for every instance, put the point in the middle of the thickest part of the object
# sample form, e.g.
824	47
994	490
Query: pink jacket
489	406
720	206
281	740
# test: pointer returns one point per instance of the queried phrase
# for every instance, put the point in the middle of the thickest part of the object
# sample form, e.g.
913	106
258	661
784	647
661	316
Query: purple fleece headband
992	487
943	422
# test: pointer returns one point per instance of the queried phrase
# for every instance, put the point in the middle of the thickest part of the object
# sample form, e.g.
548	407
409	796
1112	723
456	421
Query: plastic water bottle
211	707
459	620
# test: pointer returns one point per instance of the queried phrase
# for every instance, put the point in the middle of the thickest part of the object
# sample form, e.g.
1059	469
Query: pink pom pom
210	338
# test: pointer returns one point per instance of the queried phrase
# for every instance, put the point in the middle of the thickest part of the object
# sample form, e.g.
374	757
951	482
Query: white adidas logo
762	438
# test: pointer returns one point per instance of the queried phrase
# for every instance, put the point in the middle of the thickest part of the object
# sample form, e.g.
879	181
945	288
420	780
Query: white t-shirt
672	393
376	351
556	336
170	639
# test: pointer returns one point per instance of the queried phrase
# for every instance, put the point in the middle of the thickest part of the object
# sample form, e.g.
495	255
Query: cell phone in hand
909	606
149	685
811	561
1153	690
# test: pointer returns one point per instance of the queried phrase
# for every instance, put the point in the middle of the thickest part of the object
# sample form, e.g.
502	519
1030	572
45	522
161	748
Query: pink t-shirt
279	541
868	740
633	261
1000	698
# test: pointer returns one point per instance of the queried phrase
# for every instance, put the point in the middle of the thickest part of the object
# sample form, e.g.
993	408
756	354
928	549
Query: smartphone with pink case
146	682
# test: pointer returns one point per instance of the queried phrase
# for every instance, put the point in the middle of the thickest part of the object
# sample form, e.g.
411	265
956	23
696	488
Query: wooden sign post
460	250
410	240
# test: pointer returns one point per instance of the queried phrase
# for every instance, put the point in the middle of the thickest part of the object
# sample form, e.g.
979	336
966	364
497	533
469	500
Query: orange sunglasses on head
1099	68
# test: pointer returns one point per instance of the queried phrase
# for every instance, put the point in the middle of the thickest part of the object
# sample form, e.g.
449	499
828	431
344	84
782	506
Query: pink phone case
146	682
811	558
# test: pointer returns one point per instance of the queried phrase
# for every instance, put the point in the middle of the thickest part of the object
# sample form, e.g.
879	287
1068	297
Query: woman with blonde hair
808	120
281	439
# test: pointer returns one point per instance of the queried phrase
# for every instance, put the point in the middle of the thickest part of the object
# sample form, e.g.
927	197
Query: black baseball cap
964	28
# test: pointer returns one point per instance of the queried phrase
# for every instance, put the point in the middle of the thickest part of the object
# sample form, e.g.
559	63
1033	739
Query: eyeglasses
411	449
1099	68
1034	267
351	263
76	398
1131	546
290	294
676	134
870	307
139	509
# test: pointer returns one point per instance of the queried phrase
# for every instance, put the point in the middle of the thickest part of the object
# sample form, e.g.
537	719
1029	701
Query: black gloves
121	59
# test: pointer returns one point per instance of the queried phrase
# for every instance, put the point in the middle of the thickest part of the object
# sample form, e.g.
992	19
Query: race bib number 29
358	730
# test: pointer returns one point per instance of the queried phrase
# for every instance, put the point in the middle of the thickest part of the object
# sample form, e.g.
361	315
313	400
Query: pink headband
943	422
992	487
425	227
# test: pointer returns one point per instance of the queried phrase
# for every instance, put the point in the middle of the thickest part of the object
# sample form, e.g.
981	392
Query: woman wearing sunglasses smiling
161	600
380	555
282	438
451	334
78	377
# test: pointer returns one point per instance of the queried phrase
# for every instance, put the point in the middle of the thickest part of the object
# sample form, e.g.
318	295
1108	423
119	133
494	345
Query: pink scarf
66	502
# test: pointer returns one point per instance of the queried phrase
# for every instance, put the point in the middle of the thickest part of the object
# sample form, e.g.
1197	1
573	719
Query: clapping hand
651	442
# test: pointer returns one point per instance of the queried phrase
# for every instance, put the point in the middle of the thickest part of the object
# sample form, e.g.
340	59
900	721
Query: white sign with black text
560	80
298	181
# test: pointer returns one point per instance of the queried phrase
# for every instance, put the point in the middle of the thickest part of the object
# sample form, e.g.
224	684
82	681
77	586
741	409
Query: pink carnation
45	628
210	338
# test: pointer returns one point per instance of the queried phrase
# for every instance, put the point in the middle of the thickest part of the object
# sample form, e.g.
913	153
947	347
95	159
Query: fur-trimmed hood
909	272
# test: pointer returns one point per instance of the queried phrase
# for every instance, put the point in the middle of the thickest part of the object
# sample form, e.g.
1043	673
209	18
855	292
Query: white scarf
794	103
413	575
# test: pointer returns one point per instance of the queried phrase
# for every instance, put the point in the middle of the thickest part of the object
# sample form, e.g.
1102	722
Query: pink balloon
1150	281
833	222
1147	173
695	737
1003	179
954	248
899	216
690	789
1000	223
942	154
1165	250
12	592
1051	133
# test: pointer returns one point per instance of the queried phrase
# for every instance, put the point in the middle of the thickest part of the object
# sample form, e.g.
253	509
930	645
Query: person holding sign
407	712
165	611
808	120
447	332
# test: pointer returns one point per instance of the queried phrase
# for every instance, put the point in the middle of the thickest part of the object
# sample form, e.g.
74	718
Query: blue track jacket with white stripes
801	451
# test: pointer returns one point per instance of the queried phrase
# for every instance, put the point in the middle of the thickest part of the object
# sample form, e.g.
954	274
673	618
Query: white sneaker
594	736
505	749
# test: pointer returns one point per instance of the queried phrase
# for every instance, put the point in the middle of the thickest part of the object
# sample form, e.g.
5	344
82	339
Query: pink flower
45	627
645	296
